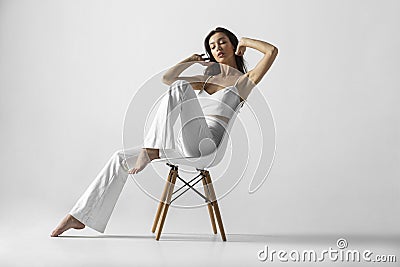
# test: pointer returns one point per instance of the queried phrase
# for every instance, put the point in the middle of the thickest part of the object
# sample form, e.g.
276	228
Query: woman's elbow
167	80
275	51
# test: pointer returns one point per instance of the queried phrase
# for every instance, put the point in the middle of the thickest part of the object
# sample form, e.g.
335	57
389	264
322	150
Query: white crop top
222	103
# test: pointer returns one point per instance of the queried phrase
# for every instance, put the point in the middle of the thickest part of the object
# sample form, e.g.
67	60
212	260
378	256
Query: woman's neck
228	69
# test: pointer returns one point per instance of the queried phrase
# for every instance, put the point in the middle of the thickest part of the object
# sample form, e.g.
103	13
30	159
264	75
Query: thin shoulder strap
206	81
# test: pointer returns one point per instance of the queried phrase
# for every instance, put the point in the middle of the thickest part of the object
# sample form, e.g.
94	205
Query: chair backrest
219	153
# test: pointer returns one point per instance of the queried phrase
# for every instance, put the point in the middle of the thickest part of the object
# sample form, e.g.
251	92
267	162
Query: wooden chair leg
215	205
209	205
170	190
161	204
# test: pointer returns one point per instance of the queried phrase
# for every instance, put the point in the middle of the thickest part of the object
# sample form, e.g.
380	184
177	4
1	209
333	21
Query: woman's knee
119	154
180	82
182	90
120	158
180	85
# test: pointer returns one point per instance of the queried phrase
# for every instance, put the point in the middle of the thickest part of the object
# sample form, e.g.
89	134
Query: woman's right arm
171	75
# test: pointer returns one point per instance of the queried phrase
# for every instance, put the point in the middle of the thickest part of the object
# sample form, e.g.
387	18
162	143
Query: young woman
204	116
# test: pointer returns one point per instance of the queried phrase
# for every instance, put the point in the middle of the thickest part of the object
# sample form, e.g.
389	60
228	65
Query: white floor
34	247
187	239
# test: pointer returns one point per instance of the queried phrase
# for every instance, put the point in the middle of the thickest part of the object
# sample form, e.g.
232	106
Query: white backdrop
68	70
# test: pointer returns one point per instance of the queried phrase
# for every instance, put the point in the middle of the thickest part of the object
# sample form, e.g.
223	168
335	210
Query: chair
200	163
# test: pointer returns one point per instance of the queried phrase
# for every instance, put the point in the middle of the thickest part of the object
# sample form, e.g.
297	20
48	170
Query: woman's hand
198	58
132	171
241	48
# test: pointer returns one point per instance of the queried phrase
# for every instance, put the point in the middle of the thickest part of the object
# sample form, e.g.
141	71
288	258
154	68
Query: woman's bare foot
68	222
146	155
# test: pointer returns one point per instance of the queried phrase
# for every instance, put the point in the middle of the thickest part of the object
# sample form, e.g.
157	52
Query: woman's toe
56	232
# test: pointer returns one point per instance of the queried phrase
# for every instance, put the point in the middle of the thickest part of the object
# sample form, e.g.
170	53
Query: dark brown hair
214	68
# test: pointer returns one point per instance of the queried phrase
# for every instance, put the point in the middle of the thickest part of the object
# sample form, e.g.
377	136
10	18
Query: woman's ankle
153	152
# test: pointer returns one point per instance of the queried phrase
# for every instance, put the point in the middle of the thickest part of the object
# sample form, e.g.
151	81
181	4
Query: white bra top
223	102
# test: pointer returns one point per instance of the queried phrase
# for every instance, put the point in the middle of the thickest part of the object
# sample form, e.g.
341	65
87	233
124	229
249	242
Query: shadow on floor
257	238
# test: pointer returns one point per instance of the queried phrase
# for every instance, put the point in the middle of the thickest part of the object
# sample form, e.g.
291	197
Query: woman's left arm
270	52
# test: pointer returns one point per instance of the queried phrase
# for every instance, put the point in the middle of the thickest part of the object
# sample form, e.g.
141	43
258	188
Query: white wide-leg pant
199	134
95	206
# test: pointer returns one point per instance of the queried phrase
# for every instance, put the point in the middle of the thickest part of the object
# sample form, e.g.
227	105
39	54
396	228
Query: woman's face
221	47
